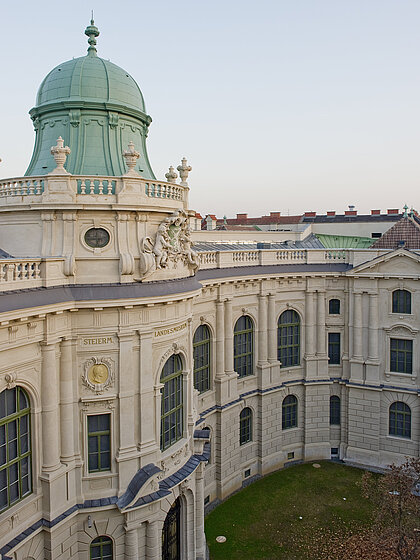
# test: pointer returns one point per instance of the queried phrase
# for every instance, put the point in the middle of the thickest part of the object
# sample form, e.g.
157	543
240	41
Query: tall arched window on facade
201	353
101	548
243	346
245	426
289	412
288	339
335	410
172	415
15	447
400	420
401	301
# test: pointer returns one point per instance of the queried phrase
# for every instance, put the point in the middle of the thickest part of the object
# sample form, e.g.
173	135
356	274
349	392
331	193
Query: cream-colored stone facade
95	342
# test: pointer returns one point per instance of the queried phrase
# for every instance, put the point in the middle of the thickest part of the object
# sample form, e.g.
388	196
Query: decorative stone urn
131	156
60	153
184	170
171	176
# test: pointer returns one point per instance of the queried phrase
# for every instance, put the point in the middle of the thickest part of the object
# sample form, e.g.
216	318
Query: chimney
350	212
241	216
331	213
393	211
310	214
275	214
375	212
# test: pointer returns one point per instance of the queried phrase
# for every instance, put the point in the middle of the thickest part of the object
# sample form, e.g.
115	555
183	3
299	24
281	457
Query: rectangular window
334	351
401	355
99	442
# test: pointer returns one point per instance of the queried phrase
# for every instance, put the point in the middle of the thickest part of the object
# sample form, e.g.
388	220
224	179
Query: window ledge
405	376
399	438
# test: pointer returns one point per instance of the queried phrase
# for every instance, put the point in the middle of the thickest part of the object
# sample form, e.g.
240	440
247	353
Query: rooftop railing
91	189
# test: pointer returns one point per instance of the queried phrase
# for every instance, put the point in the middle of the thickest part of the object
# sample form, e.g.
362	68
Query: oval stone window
97	237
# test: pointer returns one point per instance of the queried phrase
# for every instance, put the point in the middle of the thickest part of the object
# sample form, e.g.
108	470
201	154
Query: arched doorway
171	533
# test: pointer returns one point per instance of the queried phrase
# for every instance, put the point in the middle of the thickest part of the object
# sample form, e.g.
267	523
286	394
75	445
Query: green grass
262	521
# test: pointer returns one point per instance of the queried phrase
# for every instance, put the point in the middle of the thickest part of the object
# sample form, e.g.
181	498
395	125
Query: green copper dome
97	108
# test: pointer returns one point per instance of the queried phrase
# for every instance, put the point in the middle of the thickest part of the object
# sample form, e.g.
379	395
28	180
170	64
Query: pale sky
278	105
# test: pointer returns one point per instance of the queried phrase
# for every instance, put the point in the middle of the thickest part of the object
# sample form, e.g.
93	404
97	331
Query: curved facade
140	380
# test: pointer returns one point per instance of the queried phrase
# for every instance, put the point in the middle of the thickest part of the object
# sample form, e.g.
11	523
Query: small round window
97	237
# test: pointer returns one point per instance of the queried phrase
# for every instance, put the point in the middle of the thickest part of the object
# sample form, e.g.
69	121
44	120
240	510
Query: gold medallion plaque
98	374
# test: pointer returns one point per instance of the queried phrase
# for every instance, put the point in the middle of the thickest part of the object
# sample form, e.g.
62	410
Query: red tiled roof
263	220
405	230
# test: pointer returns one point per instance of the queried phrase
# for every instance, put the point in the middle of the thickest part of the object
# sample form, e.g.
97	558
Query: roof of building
405	233
344	241
310	242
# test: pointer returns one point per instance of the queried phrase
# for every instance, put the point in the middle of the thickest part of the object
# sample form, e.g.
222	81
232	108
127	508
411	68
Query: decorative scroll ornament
98	374
10	379
60	153
171	244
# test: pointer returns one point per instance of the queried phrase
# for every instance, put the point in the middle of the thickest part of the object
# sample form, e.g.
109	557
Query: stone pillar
66	400
228	331
272	328
321	324
262	329
127	452
220	339
310	325
131	544
357	326
373	353
152	541
200	542
49	400
146	399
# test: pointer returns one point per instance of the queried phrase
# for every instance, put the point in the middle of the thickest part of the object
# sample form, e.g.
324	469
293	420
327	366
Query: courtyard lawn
263	521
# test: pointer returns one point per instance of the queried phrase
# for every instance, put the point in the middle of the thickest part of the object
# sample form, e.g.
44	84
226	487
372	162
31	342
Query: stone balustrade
237	258
18	274
91	189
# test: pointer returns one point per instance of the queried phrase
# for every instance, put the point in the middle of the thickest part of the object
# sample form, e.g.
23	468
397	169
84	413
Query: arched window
335	412
172	415
101	548
245	426
288	339
401	301
334	307
243	346
201	352
289	412
15	447
400	420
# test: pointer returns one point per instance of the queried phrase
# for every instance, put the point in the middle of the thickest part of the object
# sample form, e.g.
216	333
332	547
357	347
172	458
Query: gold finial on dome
92	32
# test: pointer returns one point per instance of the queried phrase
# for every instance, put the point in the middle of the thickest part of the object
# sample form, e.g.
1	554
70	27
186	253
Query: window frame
334	349
202	374
393	430
247	369
21	457
174	381
404	368
331	304
335	410
245	425
99	434
295	331
400	303
100	544
289	413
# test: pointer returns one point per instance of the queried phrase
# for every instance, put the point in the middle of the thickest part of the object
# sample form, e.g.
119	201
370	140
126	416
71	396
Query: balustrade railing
12	270
78	185
24	186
